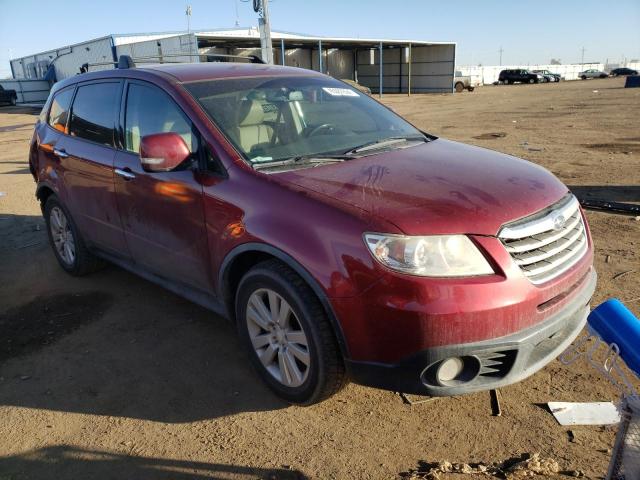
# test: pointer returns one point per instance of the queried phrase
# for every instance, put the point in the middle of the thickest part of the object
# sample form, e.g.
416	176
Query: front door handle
60	152
126	174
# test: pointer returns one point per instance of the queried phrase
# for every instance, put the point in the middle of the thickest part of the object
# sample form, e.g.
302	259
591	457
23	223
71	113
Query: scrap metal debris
586	413
527	465
622	274
614	207
412	400
496	409
491	135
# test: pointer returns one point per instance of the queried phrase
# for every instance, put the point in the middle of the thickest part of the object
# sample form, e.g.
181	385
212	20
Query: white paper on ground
589	413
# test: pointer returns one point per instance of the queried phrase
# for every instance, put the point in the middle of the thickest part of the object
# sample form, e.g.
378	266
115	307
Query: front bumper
500	361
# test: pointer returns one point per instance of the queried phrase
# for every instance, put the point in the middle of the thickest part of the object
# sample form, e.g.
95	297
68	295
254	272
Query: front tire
287	334
459	87
66	241
583	77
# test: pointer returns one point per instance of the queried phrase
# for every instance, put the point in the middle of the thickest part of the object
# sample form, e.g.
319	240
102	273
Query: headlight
431	256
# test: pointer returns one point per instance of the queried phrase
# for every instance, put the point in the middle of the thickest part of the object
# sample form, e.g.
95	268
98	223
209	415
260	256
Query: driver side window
149	110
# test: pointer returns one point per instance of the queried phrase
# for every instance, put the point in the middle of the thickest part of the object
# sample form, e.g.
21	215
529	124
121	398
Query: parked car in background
592	73
519	75
341	241
355	84
463	82
8	96
623	71
549	76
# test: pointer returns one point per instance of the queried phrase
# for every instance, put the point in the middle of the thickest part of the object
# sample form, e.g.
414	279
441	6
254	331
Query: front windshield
270	119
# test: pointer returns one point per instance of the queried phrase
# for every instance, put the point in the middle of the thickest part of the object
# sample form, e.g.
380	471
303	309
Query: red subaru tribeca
342	241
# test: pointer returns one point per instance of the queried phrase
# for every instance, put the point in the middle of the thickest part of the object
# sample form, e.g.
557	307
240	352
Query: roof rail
251	58
126	61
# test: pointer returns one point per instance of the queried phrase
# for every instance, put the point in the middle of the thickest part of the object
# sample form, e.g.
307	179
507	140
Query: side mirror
162	152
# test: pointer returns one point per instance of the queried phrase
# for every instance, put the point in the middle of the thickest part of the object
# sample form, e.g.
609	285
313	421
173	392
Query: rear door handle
126	174
60	152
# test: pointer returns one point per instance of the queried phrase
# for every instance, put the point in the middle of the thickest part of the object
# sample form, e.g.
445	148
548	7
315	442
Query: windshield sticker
261	159
340	92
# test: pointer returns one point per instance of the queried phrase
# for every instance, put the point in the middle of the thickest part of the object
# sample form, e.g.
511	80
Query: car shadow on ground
611	193
65	461
112	343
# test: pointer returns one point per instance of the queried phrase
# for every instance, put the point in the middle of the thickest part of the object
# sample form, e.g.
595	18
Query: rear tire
531	81
459	87
66	241
583	77
287	334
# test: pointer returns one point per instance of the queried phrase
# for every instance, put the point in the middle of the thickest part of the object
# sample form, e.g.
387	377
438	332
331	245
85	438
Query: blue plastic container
615	323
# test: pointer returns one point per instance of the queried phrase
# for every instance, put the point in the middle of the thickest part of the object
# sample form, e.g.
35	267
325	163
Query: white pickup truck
463	82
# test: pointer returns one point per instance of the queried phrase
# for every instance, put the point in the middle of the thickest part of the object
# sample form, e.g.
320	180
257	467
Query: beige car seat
252	132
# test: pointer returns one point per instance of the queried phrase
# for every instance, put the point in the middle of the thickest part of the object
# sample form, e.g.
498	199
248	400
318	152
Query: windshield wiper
319	158
385	142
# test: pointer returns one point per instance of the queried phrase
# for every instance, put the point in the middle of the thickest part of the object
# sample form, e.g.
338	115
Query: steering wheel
328	127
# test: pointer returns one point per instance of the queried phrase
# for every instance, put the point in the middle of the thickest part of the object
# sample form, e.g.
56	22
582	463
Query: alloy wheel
62	235
278	338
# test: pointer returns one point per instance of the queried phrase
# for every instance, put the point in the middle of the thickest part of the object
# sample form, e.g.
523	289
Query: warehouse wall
295	57
432	69
159	47
67	61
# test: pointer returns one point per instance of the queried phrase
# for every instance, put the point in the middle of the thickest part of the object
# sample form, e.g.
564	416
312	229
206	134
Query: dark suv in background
622	71
8	96
519	76
343	242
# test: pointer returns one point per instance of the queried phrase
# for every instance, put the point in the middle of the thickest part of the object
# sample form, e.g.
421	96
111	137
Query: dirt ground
109	376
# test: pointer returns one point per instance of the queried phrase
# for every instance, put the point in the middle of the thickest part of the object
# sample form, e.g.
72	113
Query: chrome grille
548	243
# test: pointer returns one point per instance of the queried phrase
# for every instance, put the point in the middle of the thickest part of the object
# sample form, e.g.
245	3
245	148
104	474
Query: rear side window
94	112
150	110
59	112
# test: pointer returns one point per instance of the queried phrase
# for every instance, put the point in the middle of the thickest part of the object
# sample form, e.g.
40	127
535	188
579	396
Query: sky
529	32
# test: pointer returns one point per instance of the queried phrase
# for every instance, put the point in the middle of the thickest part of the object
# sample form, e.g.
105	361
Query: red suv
343	242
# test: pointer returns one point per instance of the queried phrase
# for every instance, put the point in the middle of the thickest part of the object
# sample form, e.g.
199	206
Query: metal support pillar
320	55
380	64
282	51
409	74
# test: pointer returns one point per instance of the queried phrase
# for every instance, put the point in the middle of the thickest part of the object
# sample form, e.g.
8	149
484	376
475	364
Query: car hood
435	188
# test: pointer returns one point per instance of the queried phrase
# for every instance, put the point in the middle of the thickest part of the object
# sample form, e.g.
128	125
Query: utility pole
583	50
501	50
262	8
188	14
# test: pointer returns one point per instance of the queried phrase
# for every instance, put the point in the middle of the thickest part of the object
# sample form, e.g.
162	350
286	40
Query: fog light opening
449	369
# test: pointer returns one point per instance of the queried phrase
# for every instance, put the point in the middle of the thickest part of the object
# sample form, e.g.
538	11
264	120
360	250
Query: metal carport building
384	65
